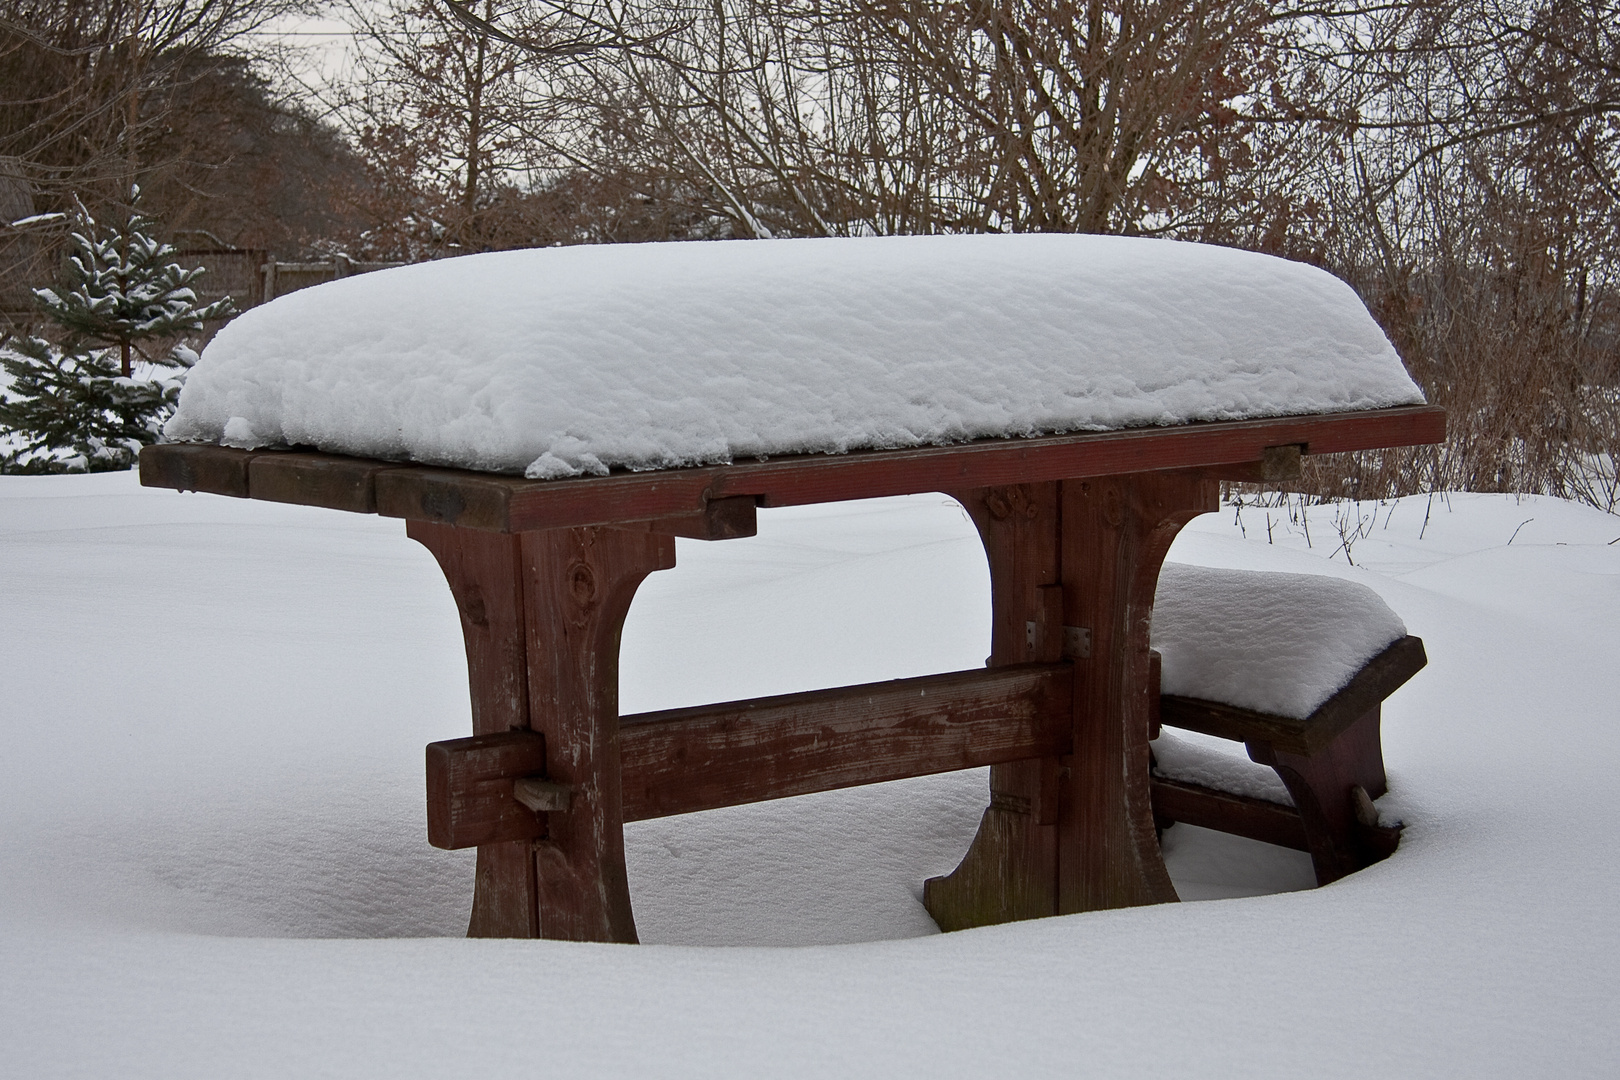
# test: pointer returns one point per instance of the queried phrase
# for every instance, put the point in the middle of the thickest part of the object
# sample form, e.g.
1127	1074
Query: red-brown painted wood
469	789
1224	811
722	519
578	584
1115	534
1378	678
1074	527
217	470
998	462
337	483
501	503
484	570
683	760
1332	763
1010	871
1322	785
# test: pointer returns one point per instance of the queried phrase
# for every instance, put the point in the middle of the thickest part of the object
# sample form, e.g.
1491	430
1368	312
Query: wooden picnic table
1075	528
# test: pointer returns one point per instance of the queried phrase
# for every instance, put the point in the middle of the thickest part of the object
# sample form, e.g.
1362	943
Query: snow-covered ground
213	862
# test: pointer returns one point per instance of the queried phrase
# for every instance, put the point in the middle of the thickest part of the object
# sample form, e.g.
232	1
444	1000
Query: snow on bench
568	361
1297	667
1274	643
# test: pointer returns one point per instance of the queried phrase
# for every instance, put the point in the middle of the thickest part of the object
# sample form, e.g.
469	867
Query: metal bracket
1077	642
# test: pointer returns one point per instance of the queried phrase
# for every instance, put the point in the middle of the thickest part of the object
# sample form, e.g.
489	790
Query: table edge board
501	503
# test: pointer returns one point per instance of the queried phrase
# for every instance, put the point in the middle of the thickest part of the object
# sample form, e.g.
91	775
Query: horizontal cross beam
488	788
683	760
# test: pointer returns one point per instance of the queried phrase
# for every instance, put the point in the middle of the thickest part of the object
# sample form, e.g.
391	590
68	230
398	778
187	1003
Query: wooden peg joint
541	795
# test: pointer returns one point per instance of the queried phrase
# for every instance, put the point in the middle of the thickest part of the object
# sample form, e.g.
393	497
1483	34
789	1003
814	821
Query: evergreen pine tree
123	287
74	407
71	411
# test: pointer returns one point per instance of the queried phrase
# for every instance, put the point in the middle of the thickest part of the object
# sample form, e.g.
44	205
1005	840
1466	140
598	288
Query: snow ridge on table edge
345	448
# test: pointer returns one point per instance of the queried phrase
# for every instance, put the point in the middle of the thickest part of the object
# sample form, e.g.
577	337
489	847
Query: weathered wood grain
1116	531
328	480
469	789
469	500
722	519
1010	870
542	796
578	584
1074	526
1380	677
1332	763
1324	786
1000	462
217	470
683	760
485	574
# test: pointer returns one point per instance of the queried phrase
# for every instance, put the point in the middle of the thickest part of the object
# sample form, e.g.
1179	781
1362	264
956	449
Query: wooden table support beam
684	760
680	761
1074	833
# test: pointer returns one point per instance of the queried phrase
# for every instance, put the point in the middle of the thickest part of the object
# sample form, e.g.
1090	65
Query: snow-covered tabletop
568	361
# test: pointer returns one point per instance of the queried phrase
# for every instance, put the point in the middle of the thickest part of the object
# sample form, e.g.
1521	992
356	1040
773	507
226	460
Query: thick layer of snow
569	360
1279	643
213	862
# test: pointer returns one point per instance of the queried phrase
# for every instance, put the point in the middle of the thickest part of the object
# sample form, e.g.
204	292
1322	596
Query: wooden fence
248	276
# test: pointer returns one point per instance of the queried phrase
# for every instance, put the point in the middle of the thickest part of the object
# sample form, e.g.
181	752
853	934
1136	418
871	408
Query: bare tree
439	108
1470	193
86	86
840	116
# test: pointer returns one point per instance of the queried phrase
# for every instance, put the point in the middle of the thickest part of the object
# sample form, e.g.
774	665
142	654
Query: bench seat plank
1380	677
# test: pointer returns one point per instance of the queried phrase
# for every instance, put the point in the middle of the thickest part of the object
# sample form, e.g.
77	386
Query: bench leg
1324	788
541	615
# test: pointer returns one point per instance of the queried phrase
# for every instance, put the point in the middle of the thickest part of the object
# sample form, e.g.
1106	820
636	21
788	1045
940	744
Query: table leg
1010	872
485	572
578	584
1074	834
1116	531
541	614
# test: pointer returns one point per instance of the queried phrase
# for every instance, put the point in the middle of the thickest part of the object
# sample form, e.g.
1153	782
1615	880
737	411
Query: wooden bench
1331	762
